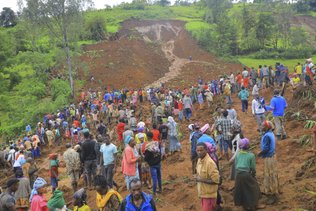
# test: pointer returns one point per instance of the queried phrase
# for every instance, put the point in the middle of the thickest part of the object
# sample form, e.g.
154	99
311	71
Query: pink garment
39	203
129	161
208	204
205	128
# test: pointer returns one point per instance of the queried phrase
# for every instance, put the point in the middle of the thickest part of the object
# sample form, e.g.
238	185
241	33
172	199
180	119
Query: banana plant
310	124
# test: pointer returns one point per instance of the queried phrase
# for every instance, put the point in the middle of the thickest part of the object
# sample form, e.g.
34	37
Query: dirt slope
146	54
174	46
150	52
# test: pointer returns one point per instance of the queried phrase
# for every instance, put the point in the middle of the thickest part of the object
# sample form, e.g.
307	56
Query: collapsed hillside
146	53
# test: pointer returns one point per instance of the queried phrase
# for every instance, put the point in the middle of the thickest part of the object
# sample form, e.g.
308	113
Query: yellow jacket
207	169
103	200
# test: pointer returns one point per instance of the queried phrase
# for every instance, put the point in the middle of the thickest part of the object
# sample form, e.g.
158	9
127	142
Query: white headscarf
39	183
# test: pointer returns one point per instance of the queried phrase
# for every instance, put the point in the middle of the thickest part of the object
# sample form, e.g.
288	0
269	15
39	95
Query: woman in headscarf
80	203
270	174
38	202
130	161
174	144
247	192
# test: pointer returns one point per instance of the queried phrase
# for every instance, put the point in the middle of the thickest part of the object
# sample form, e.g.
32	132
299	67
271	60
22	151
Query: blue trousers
244	105
187	113
155	172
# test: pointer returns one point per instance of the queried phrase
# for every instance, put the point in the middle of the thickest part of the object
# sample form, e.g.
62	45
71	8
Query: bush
135	5
31	87
96	28
293	53
264	54
60	88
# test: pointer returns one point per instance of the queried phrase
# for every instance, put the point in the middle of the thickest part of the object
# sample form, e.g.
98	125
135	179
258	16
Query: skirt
22	203
270	176
174	144
247	191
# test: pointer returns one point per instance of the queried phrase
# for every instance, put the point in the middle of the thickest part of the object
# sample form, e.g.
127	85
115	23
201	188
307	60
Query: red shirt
180	105
239	78
156	134
76	123
246	82
120	128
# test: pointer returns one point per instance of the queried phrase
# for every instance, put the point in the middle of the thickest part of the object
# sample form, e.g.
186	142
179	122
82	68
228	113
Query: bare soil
151	52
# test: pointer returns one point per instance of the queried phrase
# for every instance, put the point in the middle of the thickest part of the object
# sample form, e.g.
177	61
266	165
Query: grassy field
113	17
290	63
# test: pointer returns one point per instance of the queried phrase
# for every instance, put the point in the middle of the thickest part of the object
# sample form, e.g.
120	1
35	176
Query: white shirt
256	107
244	73
255	90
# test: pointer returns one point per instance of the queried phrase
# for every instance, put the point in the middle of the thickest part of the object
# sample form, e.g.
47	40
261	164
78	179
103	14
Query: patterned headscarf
39	183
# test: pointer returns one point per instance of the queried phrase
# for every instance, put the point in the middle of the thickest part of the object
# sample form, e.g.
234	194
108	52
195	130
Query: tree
226	36
264	28
302	6
163	3
61	18
8	17
298	37
217	8
282	18
248	22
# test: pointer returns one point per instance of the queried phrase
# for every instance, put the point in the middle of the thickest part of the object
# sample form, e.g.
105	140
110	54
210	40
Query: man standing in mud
188	105
207	178
277	106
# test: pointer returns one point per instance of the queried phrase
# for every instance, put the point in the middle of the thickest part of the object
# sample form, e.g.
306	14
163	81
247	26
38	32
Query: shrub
293	53
265	54
96	28
60	88
32	86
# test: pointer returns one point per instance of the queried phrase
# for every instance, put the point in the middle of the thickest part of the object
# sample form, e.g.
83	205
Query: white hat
191	126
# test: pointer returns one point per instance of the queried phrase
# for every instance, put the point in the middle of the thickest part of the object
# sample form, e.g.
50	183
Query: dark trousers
155	172
90	167
108	173
244	105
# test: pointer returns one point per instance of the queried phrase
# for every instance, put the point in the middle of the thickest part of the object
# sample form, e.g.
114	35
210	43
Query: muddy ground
152	52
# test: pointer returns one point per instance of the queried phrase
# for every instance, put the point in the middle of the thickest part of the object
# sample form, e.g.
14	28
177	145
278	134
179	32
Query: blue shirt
108	153
107	97
268	144
243	94
277	106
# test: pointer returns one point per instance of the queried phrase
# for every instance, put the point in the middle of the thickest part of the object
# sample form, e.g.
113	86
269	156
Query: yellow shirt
296	80
298	69
83	208
207	169
137	139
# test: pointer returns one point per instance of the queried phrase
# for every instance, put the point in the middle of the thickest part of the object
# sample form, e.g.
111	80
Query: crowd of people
109	129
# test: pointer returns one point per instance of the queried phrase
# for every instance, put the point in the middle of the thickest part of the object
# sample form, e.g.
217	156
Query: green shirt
245	161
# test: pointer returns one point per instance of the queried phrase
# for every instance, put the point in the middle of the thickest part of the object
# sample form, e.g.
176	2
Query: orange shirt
180	106
239	78
246	82
76	123
156	134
